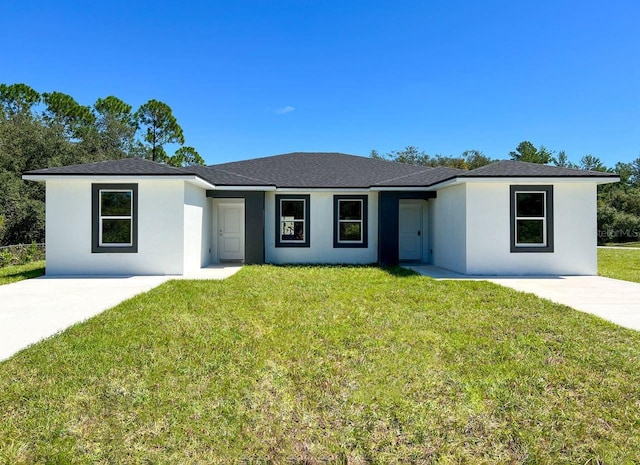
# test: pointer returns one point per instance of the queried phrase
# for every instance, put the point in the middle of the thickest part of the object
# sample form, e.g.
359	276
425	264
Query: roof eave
192	179
528	179
234	187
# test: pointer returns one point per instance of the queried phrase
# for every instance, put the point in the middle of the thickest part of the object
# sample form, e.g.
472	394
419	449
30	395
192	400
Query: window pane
115	203
350	209
116	231
350	231
529	232
530	204
292	230
293	209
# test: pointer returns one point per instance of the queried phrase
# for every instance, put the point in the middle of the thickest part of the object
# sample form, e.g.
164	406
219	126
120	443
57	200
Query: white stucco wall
321	248
488	232
197	228
448	228
160	230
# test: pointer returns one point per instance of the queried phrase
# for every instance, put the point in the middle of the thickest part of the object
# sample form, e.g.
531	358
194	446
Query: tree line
43	130
618	203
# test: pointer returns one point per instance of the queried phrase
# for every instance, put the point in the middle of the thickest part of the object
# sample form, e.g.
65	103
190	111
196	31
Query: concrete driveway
612	299
34	309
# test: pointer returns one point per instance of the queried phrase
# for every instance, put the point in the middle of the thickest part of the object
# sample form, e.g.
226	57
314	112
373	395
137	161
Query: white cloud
284	110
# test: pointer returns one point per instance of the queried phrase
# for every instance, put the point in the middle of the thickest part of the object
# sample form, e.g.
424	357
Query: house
138	217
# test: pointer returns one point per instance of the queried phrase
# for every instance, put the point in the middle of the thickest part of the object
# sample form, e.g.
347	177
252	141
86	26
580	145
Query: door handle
418	232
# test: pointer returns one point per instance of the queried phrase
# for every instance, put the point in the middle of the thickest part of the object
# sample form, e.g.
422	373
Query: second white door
231	231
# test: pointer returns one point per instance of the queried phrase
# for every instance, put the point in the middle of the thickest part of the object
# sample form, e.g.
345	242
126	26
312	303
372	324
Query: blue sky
248	79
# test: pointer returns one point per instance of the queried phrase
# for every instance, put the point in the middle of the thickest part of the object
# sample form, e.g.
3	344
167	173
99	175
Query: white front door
410	231
231	231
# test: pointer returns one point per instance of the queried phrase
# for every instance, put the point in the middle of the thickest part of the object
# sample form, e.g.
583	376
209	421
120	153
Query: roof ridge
382	160
427	168
578	172
283	155
175	168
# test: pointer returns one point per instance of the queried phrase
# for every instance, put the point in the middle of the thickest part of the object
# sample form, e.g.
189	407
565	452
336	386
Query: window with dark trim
350	221
292	220
531	218
114	212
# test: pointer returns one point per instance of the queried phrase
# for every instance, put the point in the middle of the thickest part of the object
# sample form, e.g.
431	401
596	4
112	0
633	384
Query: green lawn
11	274
326	365
619	264
624	244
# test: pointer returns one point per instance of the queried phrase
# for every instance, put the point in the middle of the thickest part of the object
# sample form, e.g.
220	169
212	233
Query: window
292	221
350	221
531	218
115	222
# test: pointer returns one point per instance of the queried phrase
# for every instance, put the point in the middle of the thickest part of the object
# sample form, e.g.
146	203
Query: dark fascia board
111	174
240	186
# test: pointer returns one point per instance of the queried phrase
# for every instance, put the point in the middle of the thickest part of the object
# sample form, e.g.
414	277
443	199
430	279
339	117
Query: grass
619	264
326	365
14	273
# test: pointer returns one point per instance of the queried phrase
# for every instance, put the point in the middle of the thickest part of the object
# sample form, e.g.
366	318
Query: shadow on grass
397	271
21	275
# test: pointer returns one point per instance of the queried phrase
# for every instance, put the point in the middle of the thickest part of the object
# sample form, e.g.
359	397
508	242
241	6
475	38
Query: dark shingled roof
124	166
221	177
321	170
318	170
425	178
520	169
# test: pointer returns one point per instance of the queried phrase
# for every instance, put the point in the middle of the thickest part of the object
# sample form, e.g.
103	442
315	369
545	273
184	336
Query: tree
527	152
475	159
75	119
116	127
591	163
634	179
470	159
185	156
563	161
447	160
374	154
161	127
625	170
411	155
17	99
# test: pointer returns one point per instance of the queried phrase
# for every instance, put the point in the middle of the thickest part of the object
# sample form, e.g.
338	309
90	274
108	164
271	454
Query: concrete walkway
612	299
34	309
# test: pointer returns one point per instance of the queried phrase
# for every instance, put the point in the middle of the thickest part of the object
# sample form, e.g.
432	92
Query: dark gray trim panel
307	223
548	209
365	222
95	220
388	211
253	222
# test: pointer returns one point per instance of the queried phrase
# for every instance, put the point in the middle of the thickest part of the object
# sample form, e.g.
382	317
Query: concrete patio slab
34	309
611	299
